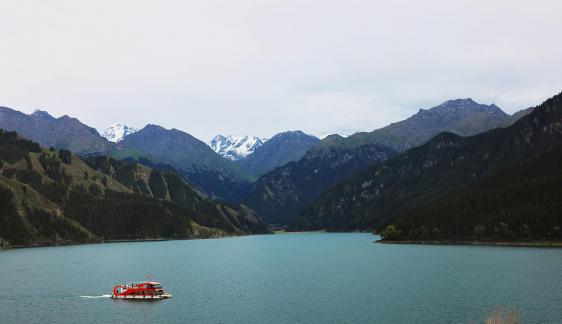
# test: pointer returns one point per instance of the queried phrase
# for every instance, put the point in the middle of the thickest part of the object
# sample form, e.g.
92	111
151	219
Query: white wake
102	296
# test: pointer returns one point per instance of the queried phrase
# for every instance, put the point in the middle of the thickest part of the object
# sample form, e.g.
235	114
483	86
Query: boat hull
142	297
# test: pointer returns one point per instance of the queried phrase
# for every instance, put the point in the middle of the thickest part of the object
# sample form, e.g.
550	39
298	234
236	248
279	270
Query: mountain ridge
285	191
64	132
420	127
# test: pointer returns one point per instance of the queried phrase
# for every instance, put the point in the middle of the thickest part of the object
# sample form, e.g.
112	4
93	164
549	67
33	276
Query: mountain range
257	156
216	176
499	184
281	194
437	160
64	132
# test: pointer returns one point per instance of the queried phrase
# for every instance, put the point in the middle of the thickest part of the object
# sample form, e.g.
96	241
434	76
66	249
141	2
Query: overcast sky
260	67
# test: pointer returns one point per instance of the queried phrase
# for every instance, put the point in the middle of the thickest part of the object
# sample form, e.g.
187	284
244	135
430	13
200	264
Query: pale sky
260	67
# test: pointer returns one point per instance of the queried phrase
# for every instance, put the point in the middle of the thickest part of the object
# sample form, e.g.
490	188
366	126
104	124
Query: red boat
147	290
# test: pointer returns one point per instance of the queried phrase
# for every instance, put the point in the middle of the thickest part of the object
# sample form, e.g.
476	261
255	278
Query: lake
307	278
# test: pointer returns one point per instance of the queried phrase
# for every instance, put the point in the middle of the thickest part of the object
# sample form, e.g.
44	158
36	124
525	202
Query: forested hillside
50	196
413	187
218	177
281	194
522	201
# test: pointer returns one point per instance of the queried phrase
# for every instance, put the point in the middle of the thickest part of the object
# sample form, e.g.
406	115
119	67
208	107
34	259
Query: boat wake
93	297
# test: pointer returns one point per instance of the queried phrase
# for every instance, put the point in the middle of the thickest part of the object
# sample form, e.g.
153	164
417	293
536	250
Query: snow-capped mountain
115	133
236	147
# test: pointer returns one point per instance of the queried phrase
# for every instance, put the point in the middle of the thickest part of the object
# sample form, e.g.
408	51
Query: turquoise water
307	278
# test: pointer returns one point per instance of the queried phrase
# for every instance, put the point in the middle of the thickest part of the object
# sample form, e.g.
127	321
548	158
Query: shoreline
44	245
298	232
53	244
538	244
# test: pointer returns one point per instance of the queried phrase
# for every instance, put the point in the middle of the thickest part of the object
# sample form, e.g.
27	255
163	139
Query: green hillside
53	197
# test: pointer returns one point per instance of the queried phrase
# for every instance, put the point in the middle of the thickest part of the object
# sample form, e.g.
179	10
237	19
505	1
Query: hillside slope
218	177
284	192
279	150
516	202
169	186
53	197
378	195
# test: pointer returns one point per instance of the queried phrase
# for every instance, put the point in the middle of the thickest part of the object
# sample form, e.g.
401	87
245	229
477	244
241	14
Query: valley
448	173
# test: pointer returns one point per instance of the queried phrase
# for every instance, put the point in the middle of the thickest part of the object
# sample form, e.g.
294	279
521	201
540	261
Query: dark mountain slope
517	202
215	175
171	187
284	192
448	162
279	150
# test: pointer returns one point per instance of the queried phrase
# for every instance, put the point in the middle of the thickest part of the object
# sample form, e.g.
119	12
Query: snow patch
236	147
117	132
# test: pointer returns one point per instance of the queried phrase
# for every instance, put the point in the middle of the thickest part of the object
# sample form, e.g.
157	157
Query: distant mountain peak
460	101
115	133
235	147
468	105
333	137
457	109
282	148
153	127
41	114
295	132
